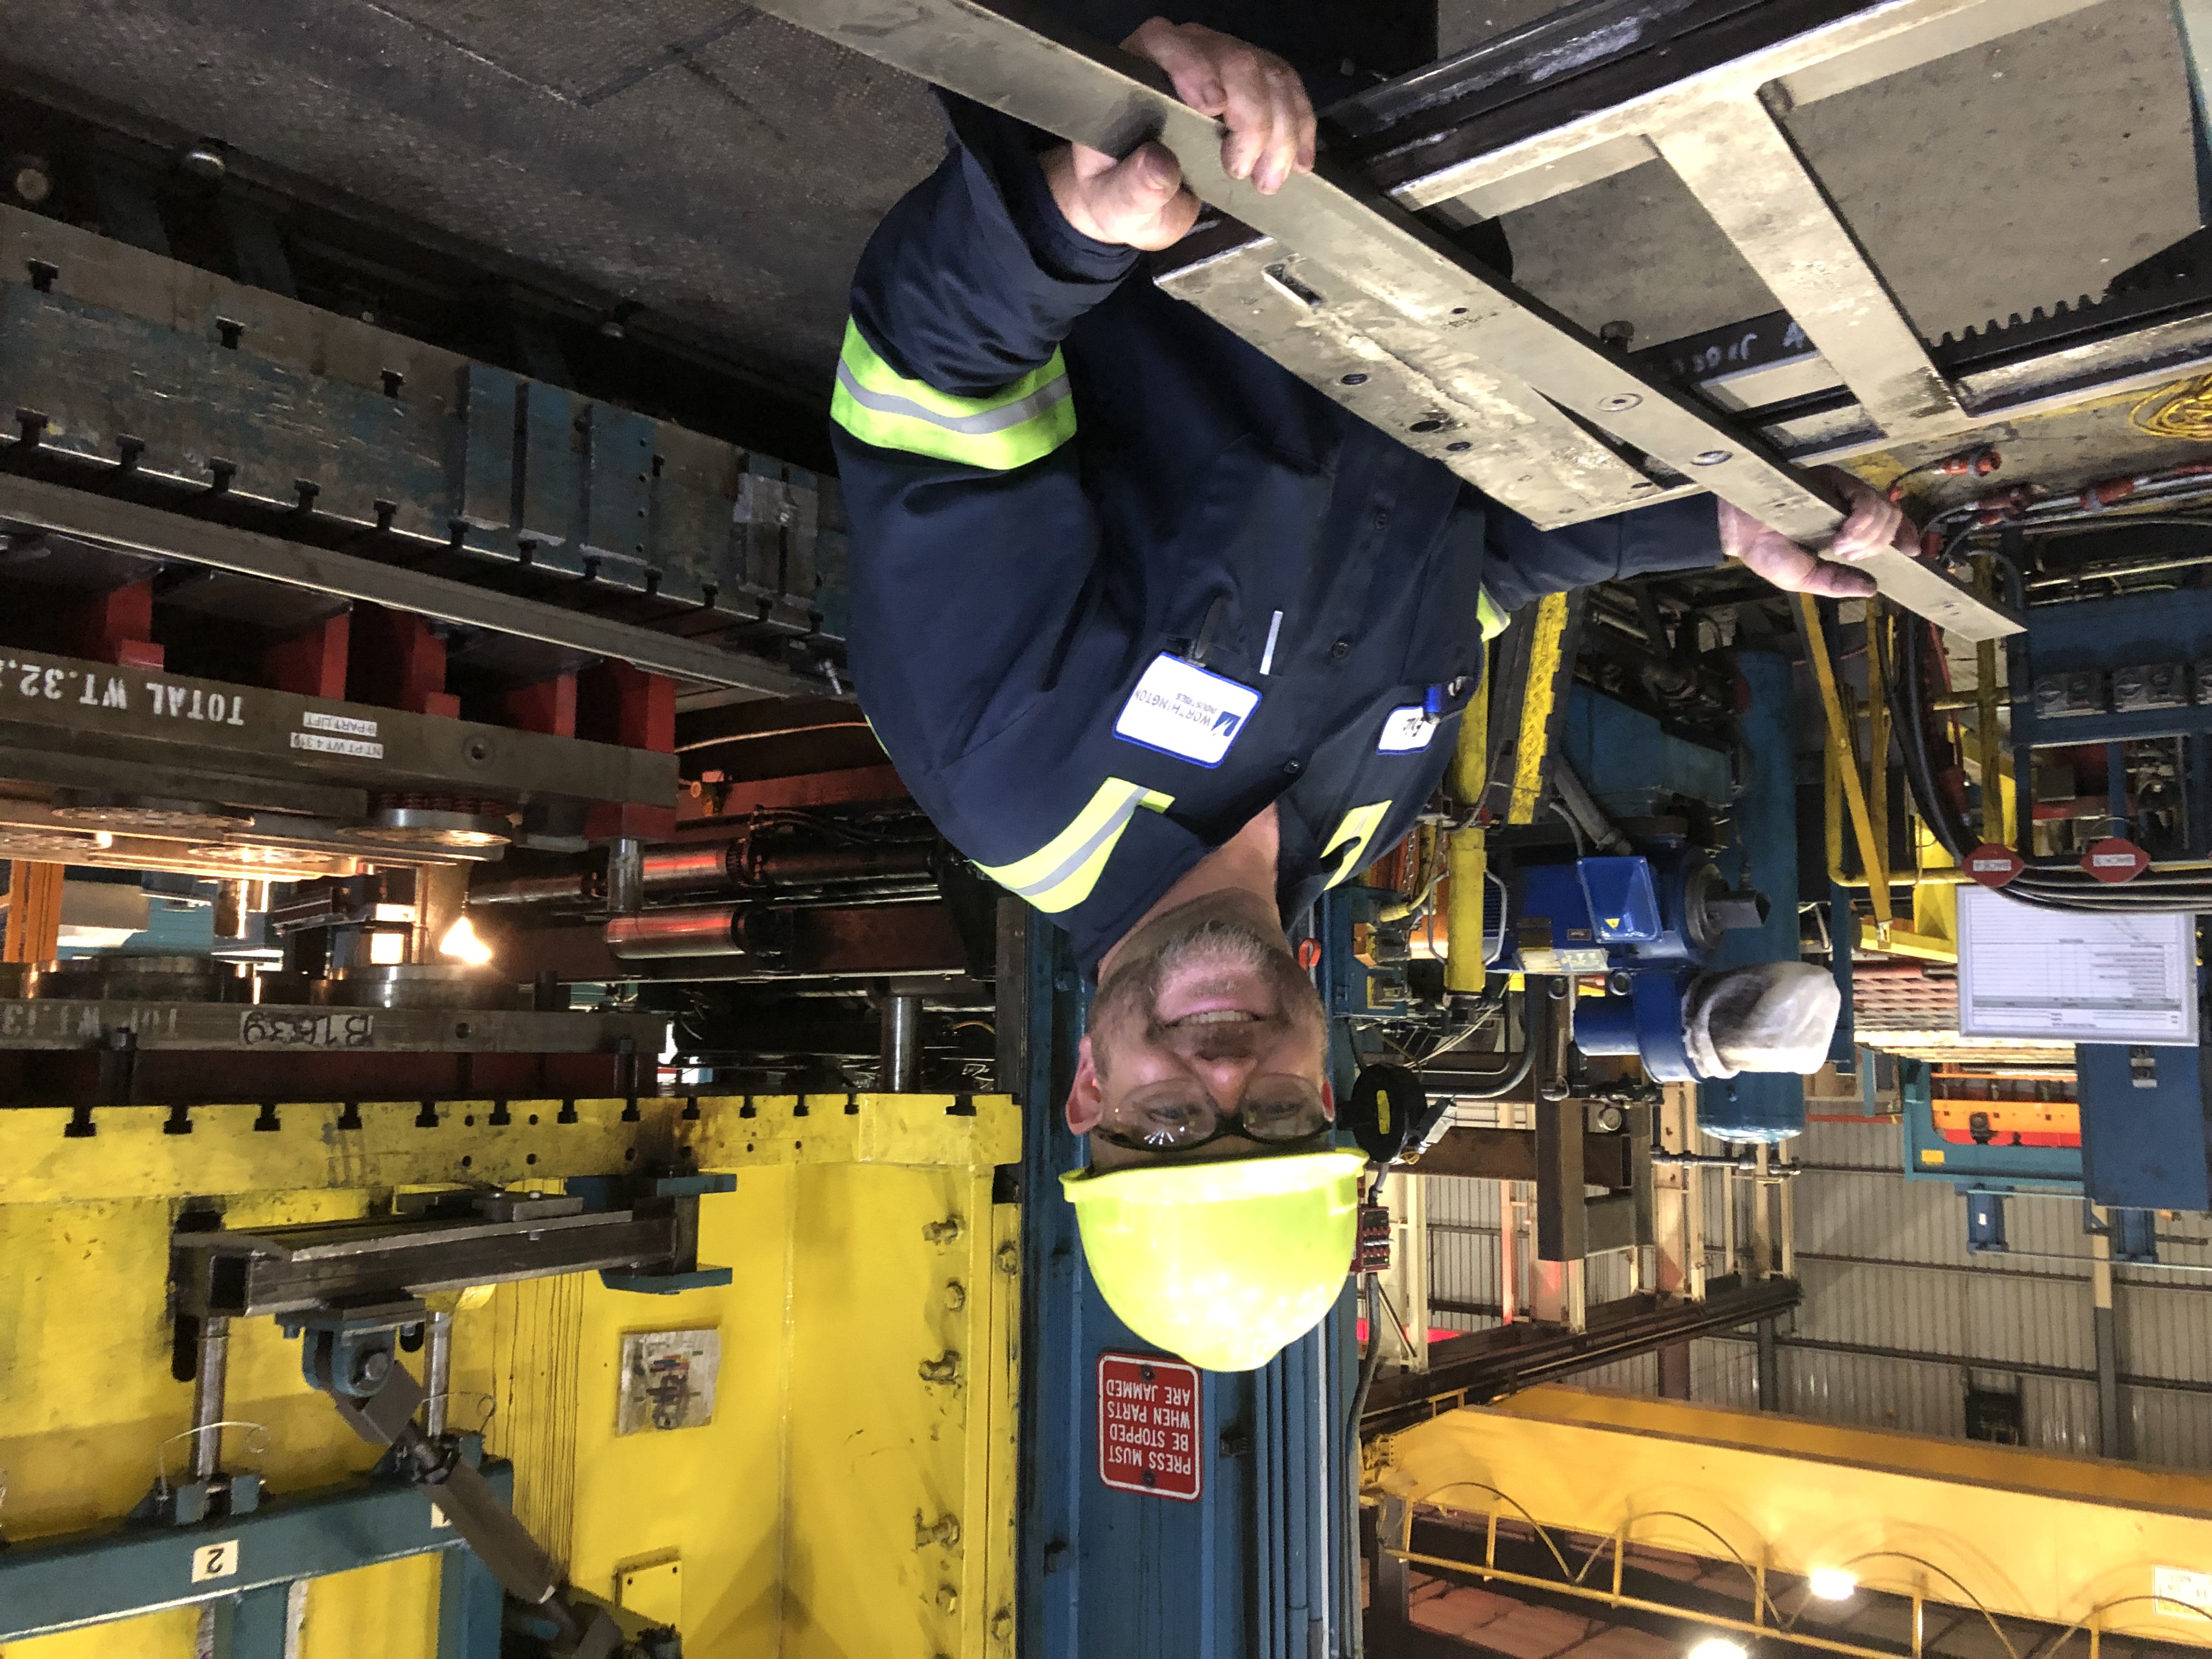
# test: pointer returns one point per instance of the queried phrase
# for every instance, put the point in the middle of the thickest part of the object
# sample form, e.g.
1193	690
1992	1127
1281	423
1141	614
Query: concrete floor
2021	173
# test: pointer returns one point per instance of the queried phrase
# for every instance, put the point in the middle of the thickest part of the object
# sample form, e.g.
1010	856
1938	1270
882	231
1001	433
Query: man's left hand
1874	523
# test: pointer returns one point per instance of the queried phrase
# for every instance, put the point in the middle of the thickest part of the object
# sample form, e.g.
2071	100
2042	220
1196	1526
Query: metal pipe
581	888
717	865
1508	1253
208	1385
232	907
705	931
1762	1223
626	876
902	1055
1728	1255
1785	1209
438	1374
700	867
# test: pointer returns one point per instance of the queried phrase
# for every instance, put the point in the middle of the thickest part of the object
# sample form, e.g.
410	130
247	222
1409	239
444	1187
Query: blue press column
1756	1106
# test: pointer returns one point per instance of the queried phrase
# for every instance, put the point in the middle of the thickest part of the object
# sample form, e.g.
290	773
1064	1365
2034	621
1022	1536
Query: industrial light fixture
462	945
1717	1647
1832	1584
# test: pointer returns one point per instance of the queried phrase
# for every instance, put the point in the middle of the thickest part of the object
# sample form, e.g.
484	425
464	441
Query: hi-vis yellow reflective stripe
1025	423
1357	828
1060	875
1493	620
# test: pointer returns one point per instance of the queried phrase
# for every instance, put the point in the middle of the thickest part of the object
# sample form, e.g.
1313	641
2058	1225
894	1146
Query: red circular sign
1994	866
2115	860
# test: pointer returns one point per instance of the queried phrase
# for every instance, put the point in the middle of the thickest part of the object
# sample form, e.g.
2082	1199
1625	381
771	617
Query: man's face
1203	1015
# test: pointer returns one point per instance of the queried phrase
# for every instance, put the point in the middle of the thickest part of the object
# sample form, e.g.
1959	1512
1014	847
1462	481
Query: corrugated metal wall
1898	1319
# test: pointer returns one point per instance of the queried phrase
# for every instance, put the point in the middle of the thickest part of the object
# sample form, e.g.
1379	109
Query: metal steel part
291	1270
707	930
69	723
582	888
37	503
134	978
641	530
209	1379
748	861
902	1055
437	1372
419	985
300	1028
1337	281
625	875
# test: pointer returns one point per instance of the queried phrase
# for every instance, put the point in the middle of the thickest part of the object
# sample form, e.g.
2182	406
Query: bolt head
1714	457
370	1369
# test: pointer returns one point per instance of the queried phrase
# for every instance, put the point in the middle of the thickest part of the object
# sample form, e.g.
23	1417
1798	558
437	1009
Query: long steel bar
1015	58
141	529
209	1383
1740	163
1810	64
1441	314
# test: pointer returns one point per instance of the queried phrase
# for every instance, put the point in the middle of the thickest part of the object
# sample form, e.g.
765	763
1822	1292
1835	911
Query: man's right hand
1141	201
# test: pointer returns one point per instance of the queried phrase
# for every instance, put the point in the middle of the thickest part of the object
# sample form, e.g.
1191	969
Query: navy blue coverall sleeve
1521	562
974	542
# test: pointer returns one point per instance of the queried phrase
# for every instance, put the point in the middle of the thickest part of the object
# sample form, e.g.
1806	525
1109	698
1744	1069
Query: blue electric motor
1649	921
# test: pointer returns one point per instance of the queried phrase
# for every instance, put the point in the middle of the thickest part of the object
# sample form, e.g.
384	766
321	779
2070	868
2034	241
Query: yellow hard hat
1225	1261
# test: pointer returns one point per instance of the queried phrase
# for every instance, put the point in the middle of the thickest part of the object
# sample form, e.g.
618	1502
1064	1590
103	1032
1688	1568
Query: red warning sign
1148	1426
2115	860
1994	866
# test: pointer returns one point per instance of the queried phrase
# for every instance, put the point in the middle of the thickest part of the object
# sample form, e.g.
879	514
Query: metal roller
701	931
716	866
583	887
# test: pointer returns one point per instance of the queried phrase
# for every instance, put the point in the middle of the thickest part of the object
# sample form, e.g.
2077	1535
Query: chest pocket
1060	875
1350	841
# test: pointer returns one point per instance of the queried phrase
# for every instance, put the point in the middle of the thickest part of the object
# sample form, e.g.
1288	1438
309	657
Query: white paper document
2055	975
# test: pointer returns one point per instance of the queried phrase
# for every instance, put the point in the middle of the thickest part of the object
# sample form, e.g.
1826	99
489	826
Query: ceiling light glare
1832	1584
1717	1647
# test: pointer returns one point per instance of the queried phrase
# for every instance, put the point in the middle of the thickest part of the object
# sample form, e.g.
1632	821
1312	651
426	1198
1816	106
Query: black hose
1905	693
2152	893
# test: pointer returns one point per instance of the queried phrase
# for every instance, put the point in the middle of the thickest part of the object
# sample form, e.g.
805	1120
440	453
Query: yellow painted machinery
813	1457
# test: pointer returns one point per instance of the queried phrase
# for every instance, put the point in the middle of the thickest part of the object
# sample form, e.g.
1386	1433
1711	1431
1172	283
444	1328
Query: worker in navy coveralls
1167	641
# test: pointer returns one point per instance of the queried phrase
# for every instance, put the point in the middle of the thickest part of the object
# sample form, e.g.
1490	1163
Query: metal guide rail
1351	278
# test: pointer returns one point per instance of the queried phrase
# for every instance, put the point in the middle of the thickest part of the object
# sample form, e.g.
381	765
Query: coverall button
1290	769
1339	651
1381	517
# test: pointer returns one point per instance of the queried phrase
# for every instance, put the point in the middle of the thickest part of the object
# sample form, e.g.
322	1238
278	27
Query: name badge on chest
1408	730
1181	709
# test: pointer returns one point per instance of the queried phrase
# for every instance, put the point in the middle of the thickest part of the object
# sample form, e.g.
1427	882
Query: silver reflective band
996	420
1116	821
